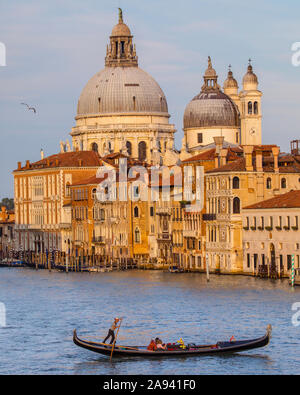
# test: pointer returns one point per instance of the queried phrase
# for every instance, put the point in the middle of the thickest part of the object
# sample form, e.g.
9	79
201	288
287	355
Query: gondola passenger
159	344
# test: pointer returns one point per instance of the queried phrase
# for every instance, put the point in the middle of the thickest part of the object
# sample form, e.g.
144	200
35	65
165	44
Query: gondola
221	347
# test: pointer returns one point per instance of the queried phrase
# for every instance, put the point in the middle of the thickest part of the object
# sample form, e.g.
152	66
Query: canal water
43	308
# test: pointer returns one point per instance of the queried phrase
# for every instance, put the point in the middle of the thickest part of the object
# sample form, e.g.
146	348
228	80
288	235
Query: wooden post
207	267
113	346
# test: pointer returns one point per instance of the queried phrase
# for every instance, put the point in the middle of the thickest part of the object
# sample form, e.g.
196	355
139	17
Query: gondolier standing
111	331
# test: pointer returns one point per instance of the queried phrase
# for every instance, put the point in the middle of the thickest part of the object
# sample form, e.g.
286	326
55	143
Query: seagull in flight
29	108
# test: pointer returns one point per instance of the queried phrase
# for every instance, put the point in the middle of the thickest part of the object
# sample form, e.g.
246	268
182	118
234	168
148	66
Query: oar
113	346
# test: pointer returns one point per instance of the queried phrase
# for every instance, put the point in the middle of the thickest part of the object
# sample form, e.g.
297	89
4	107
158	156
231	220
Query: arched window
283	183
142	150
236	183
102	214
137	236
249	107
136	212
236	205
255	107
129	148
95	147
94	193
134	103
269	183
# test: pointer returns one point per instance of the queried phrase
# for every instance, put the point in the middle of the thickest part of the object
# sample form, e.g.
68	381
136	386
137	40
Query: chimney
56	162
28	164
19	165
223	154
219	141
48	163
275	151
216	161
259	160
248	150
42	153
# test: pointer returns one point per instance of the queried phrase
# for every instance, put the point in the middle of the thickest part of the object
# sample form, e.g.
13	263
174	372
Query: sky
54	47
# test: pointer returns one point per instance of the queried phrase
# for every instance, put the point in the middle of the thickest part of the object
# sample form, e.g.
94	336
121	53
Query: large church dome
211	107
121	87
122	90
211	110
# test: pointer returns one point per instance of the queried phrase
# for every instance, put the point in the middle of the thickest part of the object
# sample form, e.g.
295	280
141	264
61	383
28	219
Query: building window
200	138
283	183
95	147
289	262
248	261
250	107
137	236
129	148
237	137
255	260
151	211
255	107
142	150
269	183
134	103
136	212
236	206
236	183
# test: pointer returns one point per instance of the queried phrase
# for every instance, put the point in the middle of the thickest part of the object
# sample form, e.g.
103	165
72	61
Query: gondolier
111	331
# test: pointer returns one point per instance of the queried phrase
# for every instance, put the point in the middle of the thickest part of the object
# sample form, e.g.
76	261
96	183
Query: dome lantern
210	79
121	51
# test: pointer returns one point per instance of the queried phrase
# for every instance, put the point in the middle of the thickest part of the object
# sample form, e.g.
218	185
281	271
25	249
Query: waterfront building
271	235
260	173
7	224
42	198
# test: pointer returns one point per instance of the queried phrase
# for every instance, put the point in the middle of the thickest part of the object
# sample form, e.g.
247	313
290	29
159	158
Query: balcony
190	233
98	240
209	217
164	237
163	211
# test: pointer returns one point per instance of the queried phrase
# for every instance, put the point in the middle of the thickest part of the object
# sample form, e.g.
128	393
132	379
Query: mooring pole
207	268
293	271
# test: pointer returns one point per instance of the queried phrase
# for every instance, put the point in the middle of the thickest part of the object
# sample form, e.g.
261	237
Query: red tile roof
288	200
67	159
210	155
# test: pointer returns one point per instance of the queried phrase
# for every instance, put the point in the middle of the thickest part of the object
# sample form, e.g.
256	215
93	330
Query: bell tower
250	99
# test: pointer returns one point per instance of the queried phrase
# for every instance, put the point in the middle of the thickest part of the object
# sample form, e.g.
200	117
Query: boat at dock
176	350
12	263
